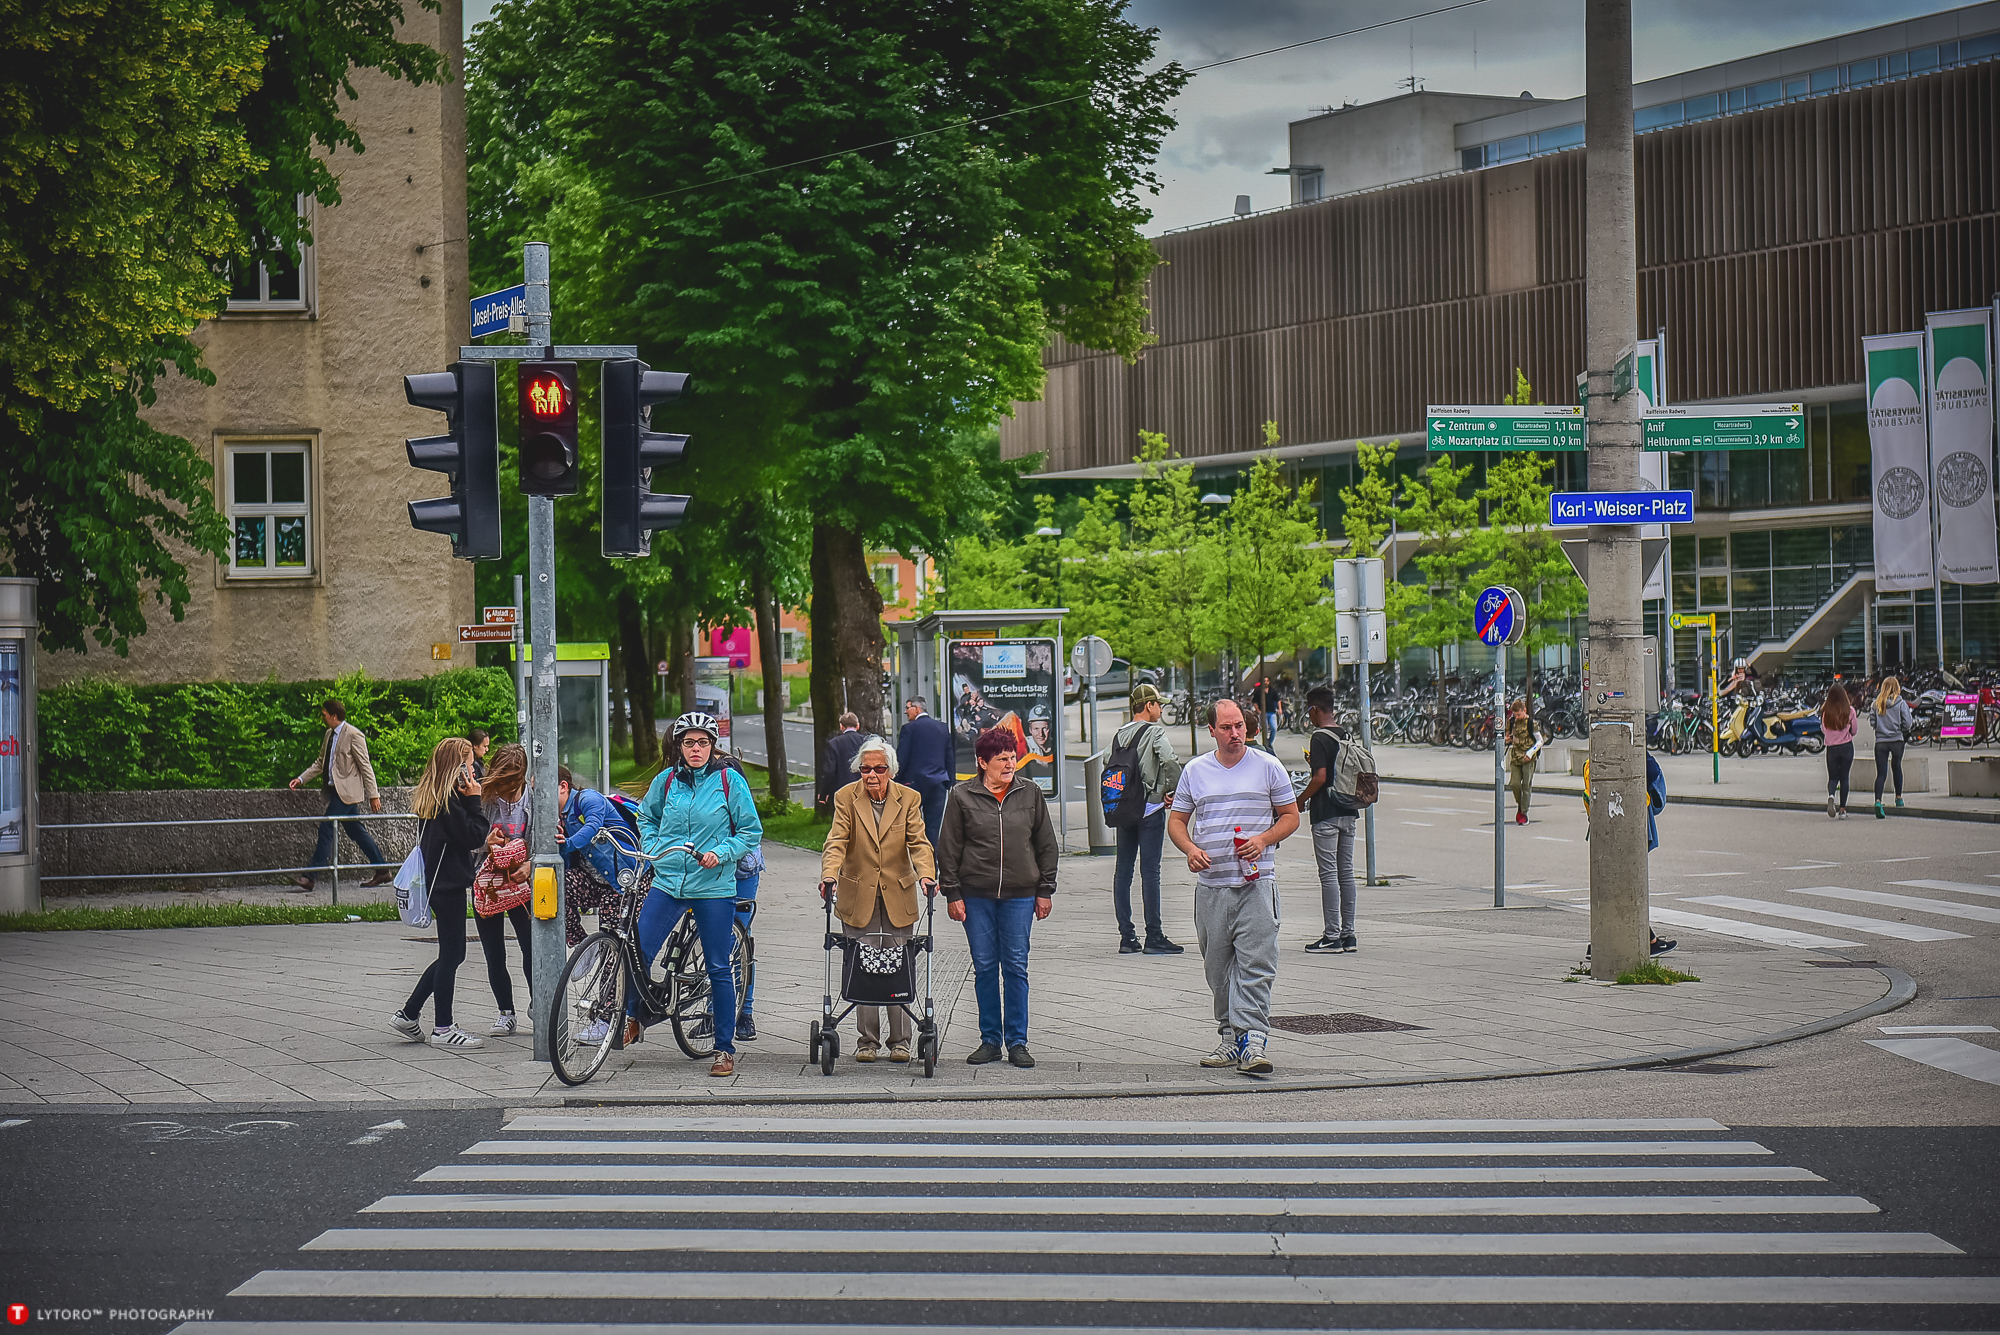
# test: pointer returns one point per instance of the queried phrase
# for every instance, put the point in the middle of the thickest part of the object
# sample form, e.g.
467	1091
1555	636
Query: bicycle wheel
1418	729
687	967
590	1007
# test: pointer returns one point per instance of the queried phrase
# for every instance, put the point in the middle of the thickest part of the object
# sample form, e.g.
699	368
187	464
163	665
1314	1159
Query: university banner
1896	443
1961	404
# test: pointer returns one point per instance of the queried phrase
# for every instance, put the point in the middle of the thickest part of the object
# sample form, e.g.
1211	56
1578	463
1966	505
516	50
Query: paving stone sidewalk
278	1015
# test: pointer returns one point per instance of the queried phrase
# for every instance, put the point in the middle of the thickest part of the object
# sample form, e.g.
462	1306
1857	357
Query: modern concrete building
1789	204
307	419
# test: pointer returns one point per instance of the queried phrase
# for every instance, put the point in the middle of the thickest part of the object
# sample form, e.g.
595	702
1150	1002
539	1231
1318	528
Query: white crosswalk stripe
1942	907
1290	1224
1901	931
1897	928
1946	1054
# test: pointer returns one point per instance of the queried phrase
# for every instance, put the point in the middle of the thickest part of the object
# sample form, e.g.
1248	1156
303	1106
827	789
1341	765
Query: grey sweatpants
1236	929
1333	849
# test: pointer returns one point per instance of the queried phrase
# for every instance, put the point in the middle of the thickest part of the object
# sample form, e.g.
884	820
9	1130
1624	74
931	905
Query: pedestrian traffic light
469	451
548	429
632	450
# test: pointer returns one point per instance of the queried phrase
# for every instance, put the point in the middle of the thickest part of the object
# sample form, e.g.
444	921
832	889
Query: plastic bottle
1249	864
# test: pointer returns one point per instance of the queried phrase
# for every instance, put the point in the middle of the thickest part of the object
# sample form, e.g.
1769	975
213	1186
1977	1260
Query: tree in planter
1268	592
1174	549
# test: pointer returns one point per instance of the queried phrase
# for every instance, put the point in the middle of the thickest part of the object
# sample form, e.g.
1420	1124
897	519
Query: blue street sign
490	312
1499	616
1621	507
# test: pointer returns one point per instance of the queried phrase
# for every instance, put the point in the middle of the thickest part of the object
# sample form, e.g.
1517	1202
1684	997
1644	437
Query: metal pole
1500	776
1062	748
1618	884
546	934
520	667
335	869
1367	740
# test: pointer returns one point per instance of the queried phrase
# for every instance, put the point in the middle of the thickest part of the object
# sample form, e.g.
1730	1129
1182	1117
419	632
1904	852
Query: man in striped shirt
1234	793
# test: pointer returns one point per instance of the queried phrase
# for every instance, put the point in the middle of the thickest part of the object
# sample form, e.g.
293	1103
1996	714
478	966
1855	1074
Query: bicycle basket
877	969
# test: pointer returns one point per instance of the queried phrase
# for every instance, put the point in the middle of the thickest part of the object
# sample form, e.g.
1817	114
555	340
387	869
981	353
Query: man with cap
1159	770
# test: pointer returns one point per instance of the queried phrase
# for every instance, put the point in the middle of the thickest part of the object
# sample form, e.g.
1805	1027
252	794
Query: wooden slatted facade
1769	244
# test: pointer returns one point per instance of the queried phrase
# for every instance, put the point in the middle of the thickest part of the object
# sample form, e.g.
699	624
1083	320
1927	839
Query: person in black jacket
996	863
837	764
454	828
929	759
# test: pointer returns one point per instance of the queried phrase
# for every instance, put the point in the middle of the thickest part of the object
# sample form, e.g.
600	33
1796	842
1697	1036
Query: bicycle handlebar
628	846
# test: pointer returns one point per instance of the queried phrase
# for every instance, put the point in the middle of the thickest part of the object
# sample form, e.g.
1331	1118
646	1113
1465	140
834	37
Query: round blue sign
1499	615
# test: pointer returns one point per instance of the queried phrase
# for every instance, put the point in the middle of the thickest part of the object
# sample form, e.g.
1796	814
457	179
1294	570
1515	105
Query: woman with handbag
454	828
501	890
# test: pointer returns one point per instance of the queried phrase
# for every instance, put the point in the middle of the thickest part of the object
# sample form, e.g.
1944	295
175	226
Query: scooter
1789	730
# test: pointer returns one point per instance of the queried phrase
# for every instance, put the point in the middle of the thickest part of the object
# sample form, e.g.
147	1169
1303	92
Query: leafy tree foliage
1438	507
1267	593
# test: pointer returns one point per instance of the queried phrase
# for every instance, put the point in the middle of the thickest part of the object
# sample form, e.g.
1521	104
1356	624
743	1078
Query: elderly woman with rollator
876	857
997	868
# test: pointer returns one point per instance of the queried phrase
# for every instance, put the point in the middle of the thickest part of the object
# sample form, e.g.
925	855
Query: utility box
20	850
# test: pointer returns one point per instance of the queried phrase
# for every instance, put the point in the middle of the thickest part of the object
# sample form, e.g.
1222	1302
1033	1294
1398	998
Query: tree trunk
847	637
621	729
638	680
680	663
771	663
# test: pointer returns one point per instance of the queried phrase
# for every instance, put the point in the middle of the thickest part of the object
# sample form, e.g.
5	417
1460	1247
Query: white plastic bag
413	895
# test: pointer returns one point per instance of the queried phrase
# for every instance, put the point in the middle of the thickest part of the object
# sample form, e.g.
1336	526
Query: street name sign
1506	427
1499	616
1621	507
485	634
490	312
1738	426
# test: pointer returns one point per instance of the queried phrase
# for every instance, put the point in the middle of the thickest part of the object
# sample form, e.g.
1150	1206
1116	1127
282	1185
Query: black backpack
1122	788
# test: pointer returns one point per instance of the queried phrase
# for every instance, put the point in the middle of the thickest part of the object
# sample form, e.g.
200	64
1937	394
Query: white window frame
790	644
305	303
227	450
893	596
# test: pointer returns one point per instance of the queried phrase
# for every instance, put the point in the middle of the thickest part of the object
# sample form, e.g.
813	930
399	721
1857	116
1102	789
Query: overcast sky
1232	120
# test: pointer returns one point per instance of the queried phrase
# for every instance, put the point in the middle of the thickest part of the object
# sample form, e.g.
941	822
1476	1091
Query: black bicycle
606	967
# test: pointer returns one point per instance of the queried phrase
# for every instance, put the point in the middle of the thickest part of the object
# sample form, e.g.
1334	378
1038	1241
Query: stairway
1820	626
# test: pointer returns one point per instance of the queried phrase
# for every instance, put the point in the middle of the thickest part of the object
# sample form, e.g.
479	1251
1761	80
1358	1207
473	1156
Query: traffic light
469	452
548	429
632	450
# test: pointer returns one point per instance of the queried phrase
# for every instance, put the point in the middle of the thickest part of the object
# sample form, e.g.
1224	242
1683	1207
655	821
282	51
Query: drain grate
1346	1023
1844	964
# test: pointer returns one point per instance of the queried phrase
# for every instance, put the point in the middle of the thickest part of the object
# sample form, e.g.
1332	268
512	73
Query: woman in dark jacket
996	864
454	828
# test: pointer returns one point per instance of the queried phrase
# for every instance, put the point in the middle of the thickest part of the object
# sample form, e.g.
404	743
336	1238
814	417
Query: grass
1652	971
131	918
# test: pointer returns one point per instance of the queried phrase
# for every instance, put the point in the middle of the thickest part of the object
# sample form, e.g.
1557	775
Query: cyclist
698	807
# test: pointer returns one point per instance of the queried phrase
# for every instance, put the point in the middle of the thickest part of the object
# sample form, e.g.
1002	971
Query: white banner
1896	444
1960	363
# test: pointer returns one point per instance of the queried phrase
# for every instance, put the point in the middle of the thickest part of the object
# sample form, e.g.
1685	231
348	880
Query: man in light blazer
876	857
347	777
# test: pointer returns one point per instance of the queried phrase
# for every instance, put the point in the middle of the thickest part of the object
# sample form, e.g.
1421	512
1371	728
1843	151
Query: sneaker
899	1052
1129	945
1842	813
984	1053
454	1037
1661	947
407	1027
1899	801
1326	945
1250	1058
1879	813
1832	807
868	1052
1520	818
723	1065
1159	945
1021	1057
593	1033
746	1028
503	1024
1347	944
1224	1054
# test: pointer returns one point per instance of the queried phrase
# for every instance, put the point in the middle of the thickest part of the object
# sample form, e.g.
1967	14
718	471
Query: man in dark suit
836	767
926	751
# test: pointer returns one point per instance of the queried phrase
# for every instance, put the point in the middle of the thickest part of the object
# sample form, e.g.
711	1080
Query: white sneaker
455	1037
503	1025
1250	1058
1224	1054
593	1033
407	1027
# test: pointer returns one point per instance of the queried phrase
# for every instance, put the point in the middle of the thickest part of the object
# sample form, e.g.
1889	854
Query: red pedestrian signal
548	453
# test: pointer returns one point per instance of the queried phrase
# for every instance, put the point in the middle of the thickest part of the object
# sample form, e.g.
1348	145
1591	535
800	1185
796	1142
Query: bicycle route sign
1504	427
1621	507
1739	426
1499	616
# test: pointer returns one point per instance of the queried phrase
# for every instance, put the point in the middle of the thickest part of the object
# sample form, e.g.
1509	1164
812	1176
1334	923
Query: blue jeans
996	931
357	831
746	888
1271	731
715	921
933	796
1140	844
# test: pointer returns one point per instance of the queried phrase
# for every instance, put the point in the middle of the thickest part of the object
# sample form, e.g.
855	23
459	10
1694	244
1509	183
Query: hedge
103	736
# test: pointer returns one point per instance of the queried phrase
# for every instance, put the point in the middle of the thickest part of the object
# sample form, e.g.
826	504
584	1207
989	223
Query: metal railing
333	868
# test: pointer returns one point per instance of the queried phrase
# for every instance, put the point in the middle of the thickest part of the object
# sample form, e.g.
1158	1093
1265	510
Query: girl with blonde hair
504	877
453	829
1892	730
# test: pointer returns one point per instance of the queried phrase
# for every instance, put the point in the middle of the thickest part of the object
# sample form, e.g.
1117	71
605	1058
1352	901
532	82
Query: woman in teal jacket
698	819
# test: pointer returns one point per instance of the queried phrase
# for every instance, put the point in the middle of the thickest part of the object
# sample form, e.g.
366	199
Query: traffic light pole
547	933
1618	882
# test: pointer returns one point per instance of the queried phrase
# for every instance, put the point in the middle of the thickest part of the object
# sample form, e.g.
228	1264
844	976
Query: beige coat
872	864
353	772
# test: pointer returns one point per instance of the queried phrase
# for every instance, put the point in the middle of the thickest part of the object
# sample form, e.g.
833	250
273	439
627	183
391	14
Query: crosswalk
1830	913
755	1225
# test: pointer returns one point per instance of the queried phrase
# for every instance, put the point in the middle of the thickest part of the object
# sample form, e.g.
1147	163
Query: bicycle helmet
695	721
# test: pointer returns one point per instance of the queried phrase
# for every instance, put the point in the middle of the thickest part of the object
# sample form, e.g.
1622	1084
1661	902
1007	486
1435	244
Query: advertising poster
11	786
1010	685
1961	404
1961	716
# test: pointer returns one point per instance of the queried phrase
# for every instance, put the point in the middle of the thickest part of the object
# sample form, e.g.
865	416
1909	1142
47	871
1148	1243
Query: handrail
227	820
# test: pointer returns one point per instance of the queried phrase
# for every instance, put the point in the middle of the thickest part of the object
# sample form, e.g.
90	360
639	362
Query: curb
1902	988
1700	800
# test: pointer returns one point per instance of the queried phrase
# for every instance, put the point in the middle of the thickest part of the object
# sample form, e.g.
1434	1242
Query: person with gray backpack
1139	778
1343	781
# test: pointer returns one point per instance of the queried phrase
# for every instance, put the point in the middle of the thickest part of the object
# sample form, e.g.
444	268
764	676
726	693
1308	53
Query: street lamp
1228	581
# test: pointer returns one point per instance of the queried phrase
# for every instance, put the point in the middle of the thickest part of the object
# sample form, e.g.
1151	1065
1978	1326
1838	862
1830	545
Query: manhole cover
1338	1024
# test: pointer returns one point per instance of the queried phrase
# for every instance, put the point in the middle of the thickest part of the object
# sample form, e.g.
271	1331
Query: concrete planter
185	846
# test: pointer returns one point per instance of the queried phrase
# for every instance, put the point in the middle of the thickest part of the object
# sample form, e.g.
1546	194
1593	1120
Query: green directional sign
1739	426
1460	428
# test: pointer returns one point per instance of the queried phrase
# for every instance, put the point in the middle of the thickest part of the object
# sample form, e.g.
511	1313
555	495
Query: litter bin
1102	840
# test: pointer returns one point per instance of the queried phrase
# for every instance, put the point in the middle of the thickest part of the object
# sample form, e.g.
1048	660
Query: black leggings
1888	759
1839	760
448	912
493	940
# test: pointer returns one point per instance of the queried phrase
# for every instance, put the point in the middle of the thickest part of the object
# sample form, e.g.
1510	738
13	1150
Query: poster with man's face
1010	685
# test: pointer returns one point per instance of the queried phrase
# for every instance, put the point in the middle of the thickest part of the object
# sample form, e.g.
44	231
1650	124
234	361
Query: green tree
1446	519
1268	592
1518	548
1174	549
